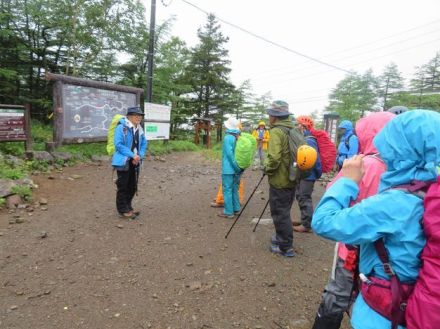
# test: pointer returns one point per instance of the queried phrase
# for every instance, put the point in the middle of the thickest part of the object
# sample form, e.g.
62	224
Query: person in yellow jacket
262	136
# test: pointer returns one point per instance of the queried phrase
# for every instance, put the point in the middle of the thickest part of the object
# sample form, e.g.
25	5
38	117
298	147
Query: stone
64	156
6	186
195	285
13	161
43	201
100	158
13	201
42	156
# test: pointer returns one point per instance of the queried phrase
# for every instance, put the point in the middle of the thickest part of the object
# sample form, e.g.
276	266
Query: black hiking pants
126	184
280	201
304	192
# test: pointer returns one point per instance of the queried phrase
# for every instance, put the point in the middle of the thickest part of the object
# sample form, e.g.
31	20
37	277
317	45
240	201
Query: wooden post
58	114
27	128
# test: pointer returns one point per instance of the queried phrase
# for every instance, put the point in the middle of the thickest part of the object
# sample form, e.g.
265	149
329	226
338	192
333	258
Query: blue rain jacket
229	165
410	146
123	140
353	143
317	169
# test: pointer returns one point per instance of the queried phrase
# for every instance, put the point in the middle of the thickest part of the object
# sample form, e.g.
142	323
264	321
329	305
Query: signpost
331	126
15	124
157	121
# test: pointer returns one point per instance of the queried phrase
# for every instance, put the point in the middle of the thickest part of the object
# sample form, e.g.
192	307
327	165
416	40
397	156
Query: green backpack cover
244	150
111	134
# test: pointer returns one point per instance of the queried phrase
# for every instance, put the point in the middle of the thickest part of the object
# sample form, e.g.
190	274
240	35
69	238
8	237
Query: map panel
88	111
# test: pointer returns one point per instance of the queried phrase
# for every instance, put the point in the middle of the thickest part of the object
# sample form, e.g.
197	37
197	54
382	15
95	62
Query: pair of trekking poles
244	207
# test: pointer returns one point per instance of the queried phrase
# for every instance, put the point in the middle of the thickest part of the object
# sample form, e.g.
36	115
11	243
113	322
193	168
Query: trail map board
83	109
89	111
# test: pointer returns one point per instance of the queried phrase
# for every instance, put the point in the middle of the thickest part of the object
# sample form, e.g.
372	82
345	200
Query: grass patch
156	148
2	202
24	192
214	153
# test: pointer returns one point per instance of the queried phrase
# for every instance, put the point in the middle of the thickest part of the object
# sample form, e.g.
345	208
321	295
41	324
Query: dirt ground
76	264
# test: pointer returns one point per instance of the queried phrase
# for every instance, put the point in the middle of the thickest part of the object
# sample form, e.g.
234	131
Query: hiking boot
302	229
128	215
216	205
225	215
276	250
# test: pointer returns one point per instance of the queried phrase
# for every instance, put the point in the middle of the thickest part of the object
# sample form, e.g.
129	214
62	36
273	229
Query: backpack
296	139
423	310
245	149
111	133
415	305
327	150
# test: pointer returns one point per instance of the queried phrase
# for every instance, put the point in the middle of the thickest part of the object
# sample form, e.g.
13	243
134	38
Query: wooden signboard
83	109
14	124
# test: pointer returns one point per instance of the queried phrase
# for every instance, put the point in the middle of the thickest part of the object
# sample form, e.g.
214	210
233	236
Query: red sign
12	124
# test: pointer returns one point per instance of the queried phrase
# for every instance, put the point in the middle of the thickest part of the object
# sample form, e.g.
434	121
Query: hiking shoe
236	212
225	216
302	229
216	205
276	250
128	215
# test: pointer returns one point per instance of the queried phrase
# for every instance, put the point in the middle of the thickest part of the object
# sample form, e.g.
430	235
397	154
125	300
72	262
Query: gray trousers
280	201
337	293
304	192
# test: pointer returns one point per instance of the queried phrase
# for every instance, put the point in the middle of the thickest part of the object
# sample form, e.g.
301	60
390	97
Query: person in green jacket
281	190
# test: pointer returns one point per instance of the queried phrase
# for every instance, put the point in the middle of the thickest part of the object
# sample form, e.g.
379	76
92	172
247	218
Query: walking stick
242	209
261	215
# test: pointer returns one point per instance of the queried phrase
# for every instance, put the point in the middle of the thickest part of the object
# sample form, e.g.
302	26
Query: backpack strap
398	305
415	187
347	142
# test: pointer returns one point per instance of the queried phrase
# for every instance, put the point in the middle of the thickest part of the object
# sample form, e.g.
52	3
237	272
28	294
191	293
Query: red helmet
306	121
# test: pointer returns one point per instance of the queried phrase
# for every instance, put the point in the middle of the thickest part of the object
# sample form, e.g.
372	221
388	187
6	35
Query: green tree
208	73
390	81
432	73
353	95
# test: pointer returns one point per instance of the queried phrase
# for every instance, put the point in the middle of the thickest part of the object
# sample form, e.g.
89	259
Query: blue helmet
398	109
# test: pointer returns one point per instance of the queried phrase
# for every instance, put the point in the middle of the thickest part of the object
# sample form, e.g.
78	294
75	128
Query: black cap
135	110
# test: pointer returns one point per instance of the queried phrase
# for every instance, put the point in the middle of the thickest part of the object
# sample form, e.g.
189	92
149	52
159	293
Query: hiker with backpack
338	293
130	146
387	226
262	136
277	168
304	189
349	143
231	172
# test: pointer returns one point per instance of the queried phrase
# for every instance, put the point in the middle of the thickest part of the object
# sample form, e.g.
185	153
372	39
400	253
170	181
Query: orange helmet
306	121
306	157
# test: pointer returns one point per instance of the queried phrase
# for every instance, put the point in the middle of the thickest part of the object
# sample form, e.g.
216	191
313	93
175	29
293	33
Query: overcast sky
350	34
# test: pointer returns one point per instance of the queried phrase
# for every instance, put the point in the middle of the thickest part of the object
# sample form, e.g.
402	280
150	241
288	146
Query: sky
349	34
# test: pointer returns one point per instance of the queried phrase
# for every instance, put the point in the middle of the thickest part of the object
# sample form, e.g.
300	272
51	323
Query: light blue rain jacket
229	165
410	146
123	140
353	143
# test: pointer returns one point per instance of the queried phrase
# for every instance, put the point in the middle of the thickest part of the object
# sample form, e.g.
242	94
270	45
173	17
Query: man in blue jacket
231	172
349	143
130	148
305	187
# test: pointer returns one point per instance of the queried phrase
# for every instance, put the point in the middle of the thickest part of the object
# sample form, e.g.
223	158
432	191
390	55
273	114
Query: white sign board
157	121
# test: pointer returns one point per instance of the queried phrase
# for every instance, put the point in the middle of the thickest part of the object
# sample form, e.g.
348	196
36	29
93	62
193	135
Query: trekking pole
136	170
242	209
261	215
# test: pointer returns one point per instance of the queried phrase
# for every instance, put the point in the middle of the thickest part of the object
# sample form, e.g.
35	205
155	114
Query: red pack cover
327	150
423	310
